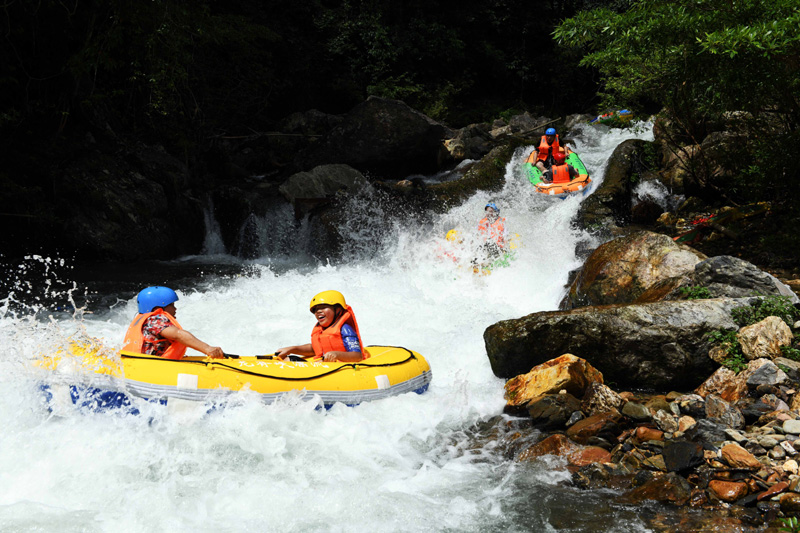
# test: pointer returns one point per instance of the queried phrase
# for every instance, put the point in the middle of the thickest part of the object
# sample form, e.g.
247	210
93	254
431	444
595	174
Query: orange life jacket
493	230
330	338
546	150
560	173
134	338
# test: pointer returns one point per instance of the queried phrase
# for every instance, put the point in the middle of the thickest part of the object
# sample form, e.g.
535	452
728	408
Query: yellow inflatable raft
389	371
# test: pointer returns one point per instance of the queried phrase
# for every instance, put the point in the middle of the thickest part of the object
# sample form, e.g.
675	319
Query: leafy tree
700	60
697	57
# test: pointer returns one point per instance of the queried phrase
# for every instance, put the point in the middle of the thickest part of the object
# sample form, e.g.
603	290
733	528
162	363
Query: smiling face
325	314
491	214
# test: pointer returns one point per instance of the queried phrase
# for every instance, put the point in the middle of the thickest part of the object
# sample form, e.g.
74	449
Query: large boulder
383	137
306	190
662	345
609	206
621	270
731	277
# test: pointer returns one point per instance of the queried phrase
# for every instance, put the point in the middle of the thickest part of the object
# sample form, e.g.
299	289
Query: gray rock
731	277
792	426
767	374
662	345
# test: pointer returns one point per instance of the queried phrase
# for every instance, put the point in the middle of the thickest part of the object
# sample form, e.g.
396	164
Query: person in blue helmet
493	230
154	330
549	145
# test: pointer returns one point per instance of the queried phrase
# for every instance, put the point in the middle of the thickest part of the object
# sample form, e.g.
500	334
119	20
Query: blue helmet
550	131
493	206
152	297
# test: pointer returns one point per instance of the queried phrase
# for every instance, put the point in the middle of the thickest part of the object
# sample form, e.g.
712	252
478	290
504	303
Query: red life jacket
546	150
560	173
134	338
330	338
494	230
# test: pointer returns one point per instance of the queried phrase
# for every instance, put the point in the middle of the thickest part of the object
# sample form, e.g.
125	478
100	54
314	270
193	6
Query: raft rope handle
243	371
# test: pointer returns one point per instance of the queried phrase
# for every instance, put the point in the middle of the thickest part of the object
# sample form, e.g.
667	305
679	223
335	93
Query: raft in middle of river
577	186
389	371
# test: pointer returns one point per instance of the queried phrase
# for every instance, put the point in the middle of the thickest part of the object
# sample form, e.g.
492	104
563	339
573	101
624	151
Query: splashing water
407	463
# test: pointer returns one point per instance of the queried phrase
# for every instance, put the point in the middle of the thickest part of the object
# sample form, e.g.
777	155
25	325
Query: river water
409	463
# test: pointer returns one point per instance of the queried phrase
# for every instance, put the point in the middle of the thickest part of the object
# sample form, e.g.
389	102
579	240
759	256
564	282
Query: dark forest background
82	81
174	71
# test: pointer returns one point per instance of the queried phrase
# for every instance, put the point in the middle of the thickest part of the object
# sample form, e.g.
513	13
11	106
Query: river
409	463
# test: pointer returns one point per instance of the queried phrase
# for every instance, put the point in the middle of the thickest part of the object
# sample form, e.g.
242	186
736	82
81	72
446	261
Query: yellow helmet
454	235
328	297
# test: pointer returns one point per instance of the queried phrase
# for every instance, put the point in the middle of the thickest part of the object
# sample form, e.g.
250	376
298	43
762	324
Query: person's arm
351	344
573	172
345	357
184	337
303	350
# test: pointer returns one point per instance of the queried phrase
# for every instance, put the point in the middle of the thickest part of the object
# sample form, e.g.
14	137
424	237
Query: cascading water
408	463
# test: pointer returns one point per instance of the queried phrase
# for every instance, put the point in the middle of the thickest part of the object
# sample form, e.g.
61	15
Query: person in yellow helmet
335	337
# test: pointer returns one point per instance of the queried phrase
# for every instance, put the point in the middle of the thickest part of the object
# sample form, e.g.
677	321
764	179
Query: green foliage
696	57
727	340
698	60
695	293
791	352
764	307
790	524
779	306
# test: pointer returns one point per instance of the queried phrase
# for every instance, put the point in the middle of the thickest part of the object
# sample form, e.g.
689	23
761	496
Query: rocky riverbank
668	376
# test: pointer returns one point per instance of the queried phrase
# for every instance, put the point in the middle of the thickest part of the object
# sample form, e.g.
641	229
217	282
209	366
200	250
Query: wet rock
557	445
682	455
588	455
552	410
668	488
644	434
790	503
567	372
728	491
738	457
774	490
609	207
599	425
575	417
655	462
636	411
